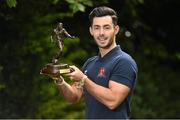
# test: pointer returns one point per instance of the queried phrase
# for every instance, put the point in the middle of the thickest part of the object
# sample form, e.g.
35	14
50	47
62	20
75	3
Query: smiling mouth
102	39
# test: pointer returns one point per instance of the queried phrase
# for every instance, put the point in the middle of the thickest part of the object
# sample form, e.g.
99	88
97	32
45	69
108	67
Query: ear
117	29
90	30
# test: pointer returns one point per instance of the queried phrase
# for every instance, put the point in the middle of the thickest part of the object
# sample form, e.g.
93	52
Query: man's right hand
59	80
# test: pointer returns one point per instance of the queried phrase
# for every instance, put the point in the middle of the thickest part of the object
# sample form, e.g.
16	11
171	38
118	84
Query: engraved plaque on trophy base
56	70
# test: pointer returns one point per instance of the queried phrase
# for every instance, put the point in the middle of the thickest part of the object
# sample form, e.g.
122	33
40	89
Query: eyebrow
103	25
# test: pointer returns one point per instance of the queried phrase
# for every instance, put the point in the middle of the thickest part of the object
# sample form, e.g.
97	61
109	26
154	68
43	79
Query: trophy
54	69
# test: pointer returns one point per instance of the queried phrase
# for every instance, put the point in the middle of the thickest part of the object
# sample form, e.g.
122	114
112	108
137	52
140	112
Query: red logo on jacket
102	72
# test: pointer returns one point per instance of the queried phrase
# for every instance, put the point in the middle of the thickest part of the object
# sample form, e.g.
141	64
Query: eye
107	27
96	27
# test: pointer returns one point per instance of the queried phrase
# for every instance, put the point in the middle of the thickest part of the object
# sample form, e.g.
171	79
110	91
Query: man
106	80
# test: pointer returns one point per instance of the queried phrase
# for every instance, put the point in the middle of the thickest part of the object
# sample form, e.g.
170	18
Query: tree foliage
149	32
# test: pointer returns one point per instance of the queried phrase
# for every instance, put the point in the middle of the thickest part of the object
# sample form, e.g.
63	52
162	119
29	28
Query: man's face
104	31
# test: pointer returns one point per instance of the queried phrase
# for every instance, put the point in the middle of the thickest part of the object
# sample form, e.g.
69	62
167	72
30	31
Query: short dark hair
103	11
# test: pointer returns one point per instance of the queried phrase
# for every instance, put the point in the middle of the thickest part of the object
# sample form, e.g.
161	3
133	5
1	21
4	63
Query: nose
101	31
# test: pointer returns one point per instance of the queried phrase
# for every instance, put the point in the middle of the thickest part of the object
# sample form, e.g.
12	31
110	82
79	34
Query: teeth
101	38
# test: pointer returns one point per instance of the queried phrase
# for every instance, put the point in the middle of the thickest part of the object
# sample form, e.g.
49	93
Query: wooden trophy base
55	70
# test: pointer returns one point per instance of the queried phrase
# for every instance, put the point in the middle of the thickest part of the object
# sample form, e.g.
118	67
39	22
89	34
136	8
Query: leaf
55	1
81	7
71	1
11	3
87	2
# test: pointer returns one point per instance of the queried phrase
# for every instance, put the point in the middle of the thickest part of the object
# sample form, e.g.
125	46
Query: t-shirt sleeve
87	62
124	72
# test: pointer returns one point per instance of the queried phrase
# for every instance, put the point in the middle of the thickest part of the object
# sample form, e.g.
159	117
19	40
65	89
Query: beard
106	45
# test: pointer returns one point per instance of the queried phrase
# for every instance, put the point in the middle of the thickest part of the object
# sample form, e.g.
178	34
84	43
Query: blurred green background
149	32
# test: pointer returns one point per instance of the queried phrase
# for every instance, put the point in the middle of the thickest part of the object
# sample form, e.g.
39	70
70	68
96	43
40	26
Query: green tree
26	27
149	32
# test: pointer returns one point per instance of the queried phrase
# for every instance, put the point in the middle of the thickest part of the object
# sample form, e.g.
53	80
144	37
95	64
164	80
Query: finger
73	67
72	70
71	78
61	77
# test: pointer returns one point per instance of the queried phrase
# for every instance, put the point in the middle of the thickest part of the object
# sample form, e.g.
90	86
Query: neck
104	51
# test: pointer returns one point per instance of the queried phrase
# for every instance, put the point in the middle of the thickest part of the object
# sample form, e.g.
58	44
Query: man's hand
59	80
76	75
